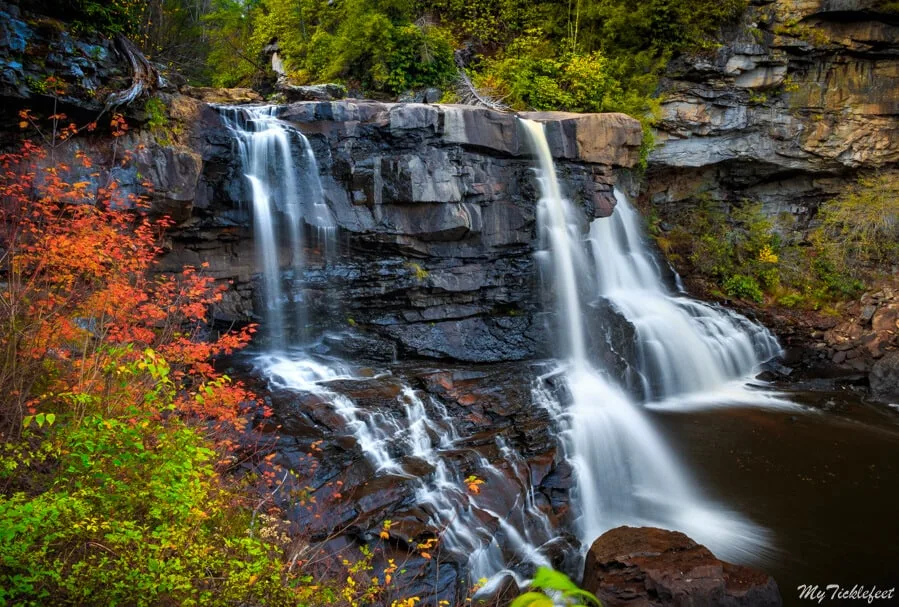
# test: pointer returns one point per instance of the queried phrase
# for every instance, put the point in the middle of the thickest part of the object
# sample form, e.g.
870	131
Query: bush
133	514
743	287
862	226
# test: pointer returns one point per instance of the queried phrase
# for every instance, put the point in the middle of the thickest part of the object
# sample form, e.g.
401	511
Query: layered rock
649	567
436	208
799	99
495	424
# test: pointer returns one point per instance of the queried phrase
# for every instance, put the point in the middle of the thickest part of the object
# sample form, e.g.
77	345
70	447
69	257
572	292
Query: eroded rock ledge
436	206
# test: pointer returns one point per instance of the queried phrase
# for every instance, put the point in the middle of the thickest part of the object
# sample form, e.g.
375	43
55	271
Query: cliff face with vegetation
798	107
800	98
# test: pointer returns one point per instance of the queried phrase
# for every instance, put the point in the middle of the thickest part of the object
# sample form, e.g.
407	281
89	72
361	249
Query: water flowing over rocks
436	210
800	100
649	567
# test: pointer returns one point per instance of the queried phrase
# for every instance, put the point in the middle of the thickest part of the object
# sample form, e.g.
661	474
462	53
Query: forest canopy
580	55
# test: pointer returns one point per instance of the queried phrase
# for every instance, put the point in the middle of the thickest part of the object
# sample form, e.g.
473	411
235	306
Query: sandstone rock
886	318
650	567
610	139
884	378
235	96
798	92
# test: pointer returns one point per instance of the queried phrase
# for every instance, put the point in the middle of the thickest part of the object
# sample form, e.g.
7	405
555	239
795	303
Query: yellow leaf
425	555
23	125
253	579
384	535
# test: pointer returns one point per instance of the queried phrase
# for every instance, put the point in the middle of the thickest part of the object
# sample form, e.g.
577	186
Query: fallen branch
470	95
144	77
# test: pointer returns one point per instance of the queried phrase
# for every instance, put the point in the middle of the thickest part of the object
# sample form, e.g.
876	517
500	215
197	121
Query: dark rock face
32	48
500	434
436	207
884	378
648	567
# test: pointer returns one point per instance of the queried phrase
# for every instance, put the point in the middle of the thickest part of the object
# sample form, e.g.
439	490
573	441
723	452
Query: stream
648	415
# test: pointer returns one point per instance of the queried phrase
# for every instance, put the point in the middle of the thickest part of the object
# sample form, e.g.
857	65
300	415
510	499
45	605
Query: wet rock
655	568
884	378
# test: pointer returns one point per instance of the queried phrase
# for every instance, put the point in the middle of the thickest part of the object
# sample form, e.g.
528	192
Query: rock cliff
801	97
436	209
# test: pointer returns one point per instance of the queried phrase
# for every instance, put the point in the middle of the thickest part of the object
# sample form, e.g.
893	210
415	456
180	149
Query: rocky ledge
649	567
436	209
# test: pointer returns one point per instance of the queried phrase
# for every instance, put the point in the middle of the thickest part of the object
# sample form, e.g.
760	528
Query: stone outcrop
436	206
223	96
884	378
799	99
34	49
649	567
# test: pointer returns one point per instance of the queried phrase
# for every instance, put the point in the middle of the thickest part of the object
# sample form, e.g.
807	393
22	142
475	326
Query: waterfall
683	345
280	188
625	473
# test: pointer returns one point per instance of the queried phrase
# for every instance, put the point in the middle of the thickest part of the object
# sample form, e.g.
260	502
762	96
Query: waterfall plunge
683	346
278	185
625	472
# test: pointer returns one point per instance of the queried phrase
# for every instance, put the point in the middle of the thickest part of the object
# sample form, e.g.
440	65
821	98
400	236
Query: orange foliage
80	301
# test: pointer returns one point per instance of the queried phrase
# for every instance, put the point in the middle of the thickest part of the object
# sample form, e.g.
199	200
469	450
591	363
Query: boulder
649	567
314	92
884	378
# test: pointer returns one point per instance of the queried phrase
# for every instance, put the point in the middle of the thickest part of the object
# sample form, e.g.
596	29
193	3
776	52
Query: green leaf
26	421
51	417
39	419
532	599
549	579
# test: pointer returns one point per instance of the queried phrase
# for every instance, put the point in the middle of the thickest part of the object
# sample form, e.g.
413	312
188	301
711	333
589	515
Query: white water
425	431
683	345
280	187
625	473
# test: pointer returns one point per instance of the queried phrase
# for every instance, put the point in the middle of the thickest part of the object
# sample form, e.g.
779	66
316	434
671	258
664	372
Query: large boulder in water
649	567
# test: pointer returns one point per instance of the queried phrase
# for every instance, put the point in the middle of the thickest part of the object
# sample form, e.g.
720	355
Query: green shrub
791	300
862	225
743	287
132	513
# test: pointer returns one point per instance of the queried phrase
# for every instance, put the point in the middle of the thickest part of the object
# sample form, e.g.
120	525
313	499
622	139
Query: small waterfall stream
280	186
625	472
683	345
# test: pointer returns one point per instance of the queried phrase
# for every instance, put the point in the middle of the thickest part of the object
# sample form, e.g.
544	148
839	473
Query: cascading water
284	203
683	345
280	186
625	473
425	431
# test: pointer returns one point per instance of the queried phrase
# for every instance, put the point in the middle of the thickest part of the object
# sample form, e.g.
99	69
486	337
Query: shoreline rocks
649	567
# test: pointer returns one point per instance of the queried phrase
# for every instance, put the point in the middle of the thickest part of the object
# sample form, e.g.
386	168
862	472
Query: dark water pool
824	481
